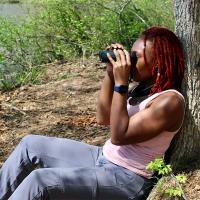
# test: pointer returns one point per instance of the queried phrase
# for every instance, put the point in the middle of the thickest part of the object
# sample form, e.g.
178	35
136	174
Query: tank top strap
150	98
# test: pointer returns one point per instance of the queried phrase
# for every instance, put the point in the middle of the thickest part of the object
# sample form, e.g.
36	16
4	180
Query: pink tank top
136	157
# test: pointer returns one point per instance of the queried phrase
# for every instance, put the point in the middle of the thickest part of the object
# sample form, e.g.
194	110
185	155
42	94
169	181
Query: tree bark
186	149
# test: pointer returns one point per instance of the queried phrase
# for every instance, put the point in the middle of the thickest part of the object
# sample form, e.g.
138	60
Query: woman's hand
109	66
121	67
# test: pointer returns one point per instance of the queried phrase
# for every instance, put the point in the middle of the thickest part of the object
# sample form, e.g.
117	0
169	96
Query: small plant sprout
174	189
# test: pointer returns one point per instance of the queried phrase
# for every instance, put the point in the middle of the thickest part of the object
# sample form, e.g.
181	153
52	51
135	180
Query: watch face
123	89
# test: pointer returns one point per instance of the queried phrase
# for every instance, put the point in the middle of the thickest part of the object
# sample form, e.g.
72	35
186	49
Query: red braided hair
168	58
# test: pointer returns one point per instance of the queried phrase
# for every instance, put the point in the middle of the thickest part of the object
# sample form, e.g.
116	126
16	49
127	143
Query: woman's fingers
122	57
108	48
128	58
116	52
111	59
117	46
117	62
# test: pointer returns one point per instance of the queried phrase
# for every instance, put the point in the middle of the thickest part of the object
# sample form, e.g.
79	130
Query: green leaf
181	178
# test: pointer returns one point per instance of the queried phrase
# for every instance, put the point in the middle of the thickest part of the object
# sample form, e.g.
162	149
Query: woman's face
142	72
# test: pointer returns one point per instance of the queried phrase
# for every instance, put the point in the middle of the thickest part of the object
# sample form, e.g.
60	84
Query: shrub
68	29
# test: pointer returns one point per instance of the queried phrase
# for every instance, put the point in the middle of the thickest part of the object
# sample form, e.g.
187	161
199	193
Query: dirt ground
62	105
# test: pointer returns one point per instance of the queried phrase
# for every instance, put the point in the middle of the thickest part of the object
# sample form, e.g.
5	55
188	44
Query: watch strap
122	89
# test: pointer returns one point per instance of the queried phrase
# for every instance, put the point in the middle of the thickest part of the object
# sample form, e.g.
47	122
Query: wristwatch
122	89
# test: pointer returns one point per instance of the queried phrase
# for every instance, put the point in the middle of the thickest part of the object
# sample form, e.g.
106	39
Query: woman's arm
105	100
165	113
106	93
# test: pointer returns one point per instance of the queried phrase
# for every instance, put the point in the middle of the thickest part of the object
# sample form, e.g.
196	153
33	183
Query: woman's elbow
102	120
116	142
119	140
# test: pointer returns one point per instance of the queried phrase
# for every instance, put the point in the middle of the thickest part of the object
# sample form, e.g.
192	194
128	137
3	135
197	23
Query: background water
15	10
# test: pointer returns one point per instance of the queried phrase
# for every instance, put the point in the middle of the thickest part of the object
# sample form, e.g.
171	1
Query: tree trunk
186	150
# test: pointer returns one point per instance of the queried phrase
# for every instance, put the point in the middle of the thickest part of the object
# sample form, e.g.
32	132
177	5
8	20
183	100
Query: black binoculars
103	57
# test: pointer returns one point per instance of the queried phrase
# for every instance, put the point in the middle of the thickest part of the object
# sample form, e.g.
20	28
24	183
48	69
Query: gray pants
47	168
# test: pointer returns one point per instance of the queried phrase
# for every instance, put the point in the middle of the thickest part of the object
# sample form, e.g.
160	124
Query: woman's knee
28	146
35	186
36	177
42	178
30	140
27	139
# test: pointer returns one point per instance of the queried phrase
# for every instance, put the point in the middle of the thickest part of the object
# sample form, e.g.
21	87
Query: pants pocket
130	184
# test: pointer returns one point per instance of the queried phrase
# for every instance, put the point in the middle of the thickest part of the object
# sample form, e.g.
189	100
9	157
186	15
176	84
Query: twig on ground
12	107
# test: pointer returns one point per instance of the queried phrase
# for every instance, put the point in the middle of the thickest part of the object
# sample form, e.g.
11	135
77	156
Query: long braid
168	58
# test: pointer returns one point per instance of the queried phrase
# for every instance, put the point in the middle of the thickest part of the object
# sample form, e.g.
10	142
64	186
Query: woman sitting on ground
141	130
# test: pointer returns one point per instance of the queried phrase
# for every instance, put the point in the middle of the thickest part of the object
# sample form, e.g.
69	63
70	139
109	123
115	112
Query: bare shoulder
170	98
172	106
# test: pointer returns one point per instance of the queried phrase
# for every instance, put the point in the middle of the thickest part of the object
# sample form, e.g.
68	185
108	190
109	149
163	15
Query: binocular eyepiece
103	57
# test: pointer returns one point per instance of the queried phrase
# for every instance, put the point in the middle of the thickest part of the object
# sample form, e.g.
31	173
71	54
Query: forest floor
63	104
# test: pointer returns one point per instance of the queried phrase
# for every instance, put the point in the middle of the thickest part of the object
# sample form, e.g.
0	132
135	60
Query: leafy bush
67	29
171	189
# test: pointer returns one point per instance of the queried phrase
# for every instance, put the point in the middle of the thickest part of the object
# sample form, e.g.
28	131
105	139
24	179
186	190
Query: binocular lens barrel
103	57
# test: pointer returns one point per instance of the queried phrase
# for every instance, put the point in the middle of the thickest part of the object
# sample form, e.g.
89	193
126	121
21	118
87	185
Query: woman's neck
143	89
149	82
